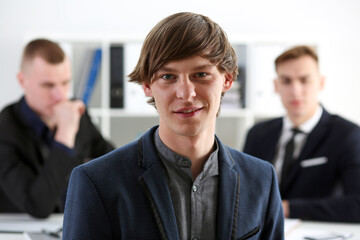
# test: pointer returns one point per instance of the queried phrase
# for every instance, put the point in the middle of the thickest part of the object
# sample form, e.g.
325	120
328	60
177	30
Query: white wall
334	22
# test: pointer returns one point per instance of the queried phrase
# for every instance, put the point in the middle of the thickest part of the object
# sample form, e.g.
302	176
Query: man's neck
298	120
48	122
196	148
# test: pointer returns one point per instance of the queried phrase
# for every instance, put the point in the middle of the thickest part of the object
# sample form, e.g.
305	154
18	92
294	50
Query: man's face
187	95
298	85
45	84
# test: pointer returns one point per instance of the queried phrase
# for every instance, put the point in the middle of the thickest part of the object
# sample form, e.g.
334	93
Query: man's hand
67	116
286	208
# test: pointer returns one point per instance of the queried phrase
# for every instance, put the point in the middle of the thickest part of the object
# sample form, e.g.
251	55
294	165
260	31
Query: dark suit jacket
124	195
33	176
324	182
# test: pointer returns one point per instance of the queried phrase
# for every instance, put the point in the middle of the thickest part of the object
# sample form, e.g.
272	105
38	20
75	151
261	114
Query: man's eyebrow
196	68
284	76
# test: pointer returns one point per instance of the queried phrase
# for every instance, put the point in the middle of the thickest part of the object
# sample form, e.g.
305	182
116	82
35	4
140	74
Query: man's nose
185	88
296	88
59	93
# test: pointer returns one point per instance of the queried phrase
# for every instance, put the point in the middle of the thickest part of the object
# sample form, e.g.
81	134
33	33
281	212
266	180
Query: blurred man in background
316	154
44	135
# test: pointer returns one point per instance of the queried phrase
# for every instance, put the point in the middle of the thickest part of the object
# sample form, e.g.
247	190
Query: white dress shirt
299	139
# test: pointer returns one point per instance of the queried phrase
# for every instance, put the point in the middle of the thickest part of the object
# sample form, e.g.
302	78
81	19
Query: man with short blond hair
44	135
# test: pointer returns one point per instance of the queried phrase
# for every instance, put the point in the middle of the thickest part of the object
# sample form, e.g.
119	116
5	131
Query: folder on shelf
92	76
117	76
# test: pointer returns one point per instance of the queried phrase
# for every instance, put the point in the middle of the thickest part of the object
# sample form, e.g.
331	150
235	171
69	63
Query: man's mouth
188	111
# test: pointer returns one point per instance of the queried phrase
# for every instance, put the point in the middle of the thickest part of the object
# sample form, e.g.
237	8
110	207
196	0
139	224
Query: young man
178	181
44	135
319	168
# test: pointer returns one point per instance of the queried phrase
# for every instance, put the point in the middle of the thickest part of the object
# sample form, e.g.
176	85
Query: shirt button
185	163
194	188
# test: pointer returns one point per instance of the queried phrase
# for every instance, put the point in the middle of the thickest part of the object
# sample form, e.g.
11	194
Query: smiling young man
319	171
178	181
44	135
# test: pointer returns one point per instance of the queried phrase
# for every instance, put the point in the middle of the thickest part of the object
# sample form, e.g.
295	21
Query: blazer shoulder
259	127
120	160
244	161
11	125
345	124
8	115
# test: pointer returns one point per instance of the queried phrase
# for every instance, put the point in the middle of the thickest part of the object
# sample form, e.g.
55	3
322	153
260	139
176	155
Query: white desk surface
306	228
19	222
23	222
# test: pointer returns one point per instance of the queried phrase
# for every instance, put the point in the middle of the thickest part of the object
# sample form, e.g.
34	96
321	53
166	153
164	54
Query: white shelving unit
124	125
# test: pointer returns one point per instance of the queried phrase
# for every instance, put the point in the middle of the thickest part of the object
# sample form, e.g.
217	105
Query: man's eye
304	80
286	80
47	85
167	76
66	83
202	74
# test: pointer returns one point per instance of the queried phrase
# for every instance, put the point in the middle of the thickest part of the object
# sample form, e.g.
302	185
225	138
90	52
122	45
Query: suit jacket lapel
272	143
159	197
228	196
314	138
156	189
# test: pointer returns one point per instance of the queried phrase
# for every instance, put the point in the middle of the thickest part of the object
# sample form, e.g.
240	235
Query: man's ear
275	81
322	82
20	78
229	80
147	89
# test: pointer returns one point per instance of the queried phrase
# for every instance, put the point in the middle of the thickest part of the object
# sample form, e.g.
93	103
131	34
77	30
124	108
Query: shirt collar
179	162
32	119
308	125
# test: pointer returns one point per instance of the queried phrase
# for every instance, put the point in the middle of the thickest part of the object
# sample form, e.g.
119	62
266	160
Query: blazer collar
271	138
155	185
316	135
228	195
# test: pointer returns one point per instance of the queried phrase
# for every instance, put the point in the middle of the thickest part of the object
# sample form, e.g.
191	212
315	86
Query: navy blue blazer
124	195
324	181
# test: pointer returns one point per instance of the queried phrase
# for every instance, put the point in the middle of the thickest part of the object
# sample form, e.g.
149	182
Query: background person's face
298	85
45	84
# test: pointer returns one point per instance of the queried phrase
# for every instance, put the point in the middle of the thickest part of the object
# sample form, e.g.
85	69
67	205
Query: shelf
252	98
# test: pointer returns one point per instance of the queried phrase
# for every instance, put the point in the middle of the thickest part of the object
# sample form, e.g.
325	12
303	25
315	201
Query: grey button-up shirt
194	201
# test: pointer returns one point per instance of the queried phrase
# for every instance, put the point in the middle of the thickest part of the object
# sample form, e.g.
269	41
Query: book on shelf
116	76
92	77
134	96
235	98
88	74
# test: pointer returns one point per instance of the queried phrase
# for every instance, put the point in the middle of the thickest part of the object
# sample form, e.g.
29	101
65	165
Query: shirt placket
196	207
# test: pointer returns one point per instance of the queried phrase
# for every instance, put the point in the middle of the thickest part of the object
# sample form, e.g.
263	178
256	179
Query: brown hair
46	49
296	52
183	35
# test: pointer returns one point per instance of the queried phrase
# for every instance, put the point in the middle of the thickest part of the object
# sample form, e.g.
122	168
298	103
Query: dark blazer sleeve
32	181
261	140
89	135
274	221
85	215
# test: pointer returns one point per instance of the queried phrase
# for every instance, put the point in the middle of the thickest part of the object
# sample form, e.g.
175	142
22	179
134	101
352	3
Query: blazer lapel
156	189
272	142
315	137
228	196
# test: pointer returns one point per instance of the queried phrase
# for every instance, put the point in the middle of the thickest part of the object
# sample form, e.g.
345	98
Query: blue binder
93	74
